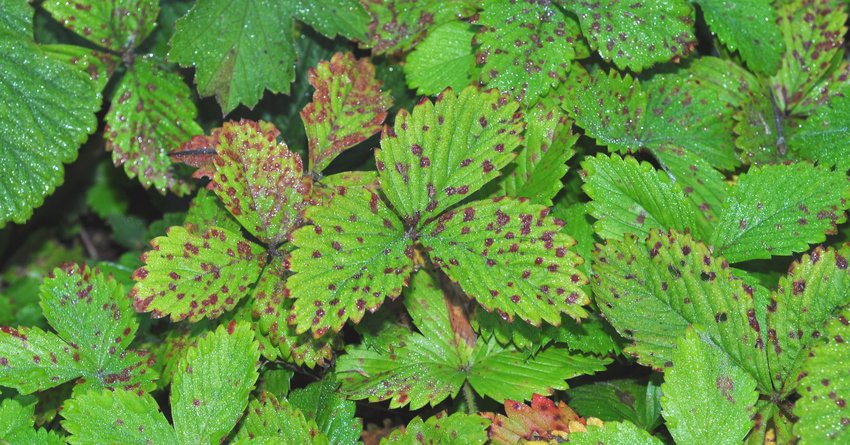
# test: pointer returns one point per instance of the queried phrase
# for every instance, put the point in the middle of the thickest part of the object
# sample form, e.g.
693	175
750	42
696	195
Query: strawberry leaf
354	256
269	421
260	181
637	35
16	424
195	276
151	114
98	65
704	389
618	400
118	25
443	59
206	211
333	413
334	17
825	137
543	419
441	428
511	258
704	186
779	210
442	152
614	433
398	25
348	107
116	417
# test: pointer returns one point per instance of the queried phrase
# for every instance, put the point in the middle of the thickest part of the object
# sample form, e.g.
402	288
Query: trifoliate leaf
511	258
16	425
348	107
815	287
331	17
398	25
542	420
444	59
210	389
118	25
194	276
442	152
98	417
334	415
239	54
652	290
613	433
271	421
48	112
354	256
779	210
704	389
633	198
455	429
637	35
152	113
260	181
824	388
98	65
525	46
618	400
749	28
825	136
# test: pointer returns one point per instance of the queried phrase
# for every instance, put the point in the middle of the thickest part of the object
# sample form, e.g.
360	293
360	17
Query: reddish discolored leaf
348	107
398	25
199	152
542	420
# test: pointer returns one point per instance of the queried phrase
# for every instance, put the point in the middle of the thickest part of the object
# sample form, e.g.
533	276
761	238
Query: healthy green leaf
270	421
99	417
628	197
348	107
331	17
779	210
355	255
16	424
16	19
398	25
705	389
637	35
116	25
511	258
825	136
619	400
614	433
456	429
445	58
335	416
442	152
703	186
747	27
193	276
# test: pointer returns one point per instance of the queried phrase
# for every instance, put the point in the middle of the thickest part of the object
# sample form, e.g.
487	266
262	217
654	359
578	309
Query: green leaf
195	276
335	416
652	290
348	107
749	28
824	388
152	113
825	137
26	363
525	46
99	417
442	152
207	211
633	198
16	19
619	400
16	424
457	428
398	25
817	285
234	65
760	130
779	210
445	58
334	17
48	111
614	433
210	389
704	186
354	256
270	421
637	35
704	389
260	181
511	258
98	65
117	25
579	225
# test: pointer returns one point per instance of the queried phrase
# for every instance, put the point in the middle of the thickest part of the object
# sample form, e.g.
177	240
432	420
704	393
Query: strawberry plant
397	221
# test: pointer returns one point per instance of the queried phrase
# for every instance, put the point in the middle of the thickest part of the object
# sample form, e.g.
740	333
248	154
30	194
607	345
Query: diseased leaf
355	255
195	276
348	107
613	433
637	35
704	389
116	25
444	59
335	416
206	211
542	420
152	113
332	17
16	424
442	152
760	130
398	25
269	421
234	65
779	210
825	136
628	197
619	400
525	47
704	186
457	428
98	65
511	258
99	417
260	181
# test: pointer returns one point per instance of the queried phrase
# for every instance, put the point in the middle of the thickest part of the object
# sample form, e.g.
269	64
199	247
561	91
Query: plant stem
469	397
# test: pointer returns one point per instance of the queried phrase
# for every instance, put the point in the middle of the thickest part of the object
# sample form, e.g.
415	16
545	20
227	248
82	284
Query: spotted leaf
260	181
444	59
542	420
442	428
17	424
637	35
151	114
652	290
98	65
526	46
348	107
355	255
779	210
614	433
825	136
398	25
116	25
442	152
511	258
269	420
116	417
703	185
193	276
